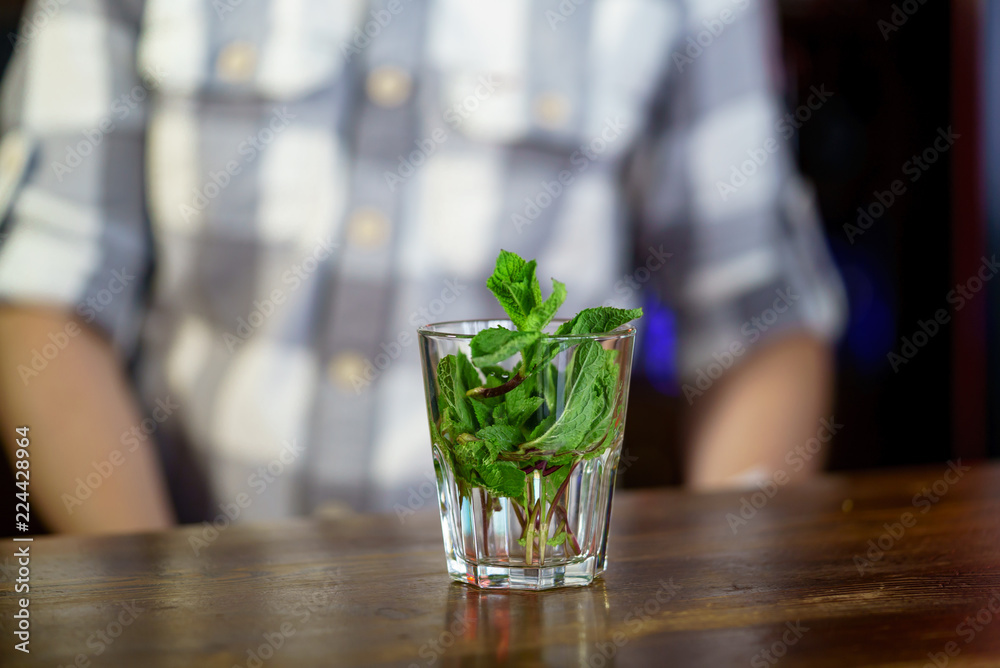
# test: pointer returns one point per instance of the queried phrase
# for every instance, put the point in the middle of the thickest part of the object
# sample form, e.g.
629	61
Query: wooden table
793	585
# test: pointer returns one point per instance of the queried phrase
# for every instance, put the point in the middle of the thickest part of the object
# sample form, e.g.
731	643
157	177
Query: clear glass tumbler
533	515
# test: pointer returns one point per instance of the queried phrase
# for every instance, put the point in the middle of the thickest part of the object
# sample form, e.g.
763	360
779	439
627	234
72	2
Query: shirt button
368	228
236	62
551	109
347	371
388	86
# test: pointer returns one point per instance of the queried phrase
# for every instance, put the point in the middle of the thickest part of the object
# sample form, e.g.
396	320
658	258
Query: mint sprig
502	426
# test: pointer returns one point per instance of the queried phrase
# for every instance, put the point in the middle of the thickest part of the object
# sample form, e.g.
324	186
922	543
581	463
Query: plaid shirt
259	200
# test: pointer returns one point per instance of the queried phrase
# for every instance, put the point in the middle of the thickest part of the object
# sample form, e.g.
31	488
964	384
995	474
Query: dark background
891	94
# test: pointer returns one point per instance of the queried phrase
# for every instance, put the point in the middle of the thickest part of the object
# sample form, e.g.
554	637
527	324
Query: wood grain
682	588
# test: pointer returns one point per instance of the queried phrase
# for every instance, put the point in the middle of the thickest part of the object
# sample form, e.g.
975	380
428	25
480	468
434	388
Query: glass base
487	576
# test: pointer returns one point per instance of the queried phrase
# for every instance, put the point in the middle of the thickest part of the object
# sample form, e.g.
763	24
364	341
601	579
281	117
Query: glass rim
625	331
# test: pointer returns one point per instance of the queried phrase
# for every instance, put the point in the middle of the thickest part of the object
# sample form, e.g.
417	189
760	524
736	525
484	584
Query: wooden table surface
797	584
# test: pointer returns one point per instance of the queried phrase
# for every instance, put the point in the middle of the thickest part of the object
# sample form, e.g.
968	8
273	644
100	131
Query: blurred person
223	222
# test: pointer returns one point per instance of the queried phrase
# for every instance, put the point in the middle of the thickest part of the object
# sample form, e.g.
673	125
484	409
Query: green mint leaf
558	539
526	290
499	438
484	407
554	480
521	402
605	399
542	314
504	479
454	374
548	379
483	411
495	372
525	410
540	352
509	267
467	459
515	286
584	405
449	429
436	437
542	427
486	439
497	344
588	321
442	446
476	460
598	320
470	375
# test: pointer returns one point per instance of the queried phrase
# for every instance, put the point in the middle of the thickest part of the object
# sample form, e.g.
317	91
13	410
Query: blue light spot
658	346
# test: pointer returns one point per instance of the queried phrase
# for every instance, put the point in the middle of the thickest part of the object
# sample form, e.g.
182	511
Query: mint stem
487	506
483	392
559	492
519	514
569	530
529	538
543	532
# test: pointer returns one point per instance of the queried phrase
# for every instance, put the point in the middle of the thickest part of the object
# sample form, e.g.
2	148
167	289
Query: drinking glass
553	531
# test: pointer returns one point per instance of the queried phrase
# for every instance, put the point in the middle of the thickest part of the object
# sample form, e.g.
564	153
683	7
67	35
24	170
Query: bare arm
764	409
77	409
